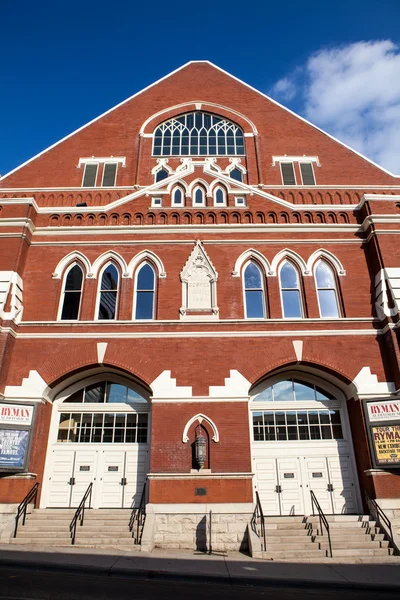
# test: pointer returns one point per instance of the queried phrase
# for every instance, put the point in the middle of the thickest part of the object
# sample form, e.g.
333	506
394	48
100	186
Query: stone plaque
199	289
201	492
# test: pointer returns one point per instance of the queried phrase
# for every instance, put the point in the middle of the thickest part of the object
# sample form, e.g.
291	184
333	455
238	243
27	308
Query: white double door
284	484
118	476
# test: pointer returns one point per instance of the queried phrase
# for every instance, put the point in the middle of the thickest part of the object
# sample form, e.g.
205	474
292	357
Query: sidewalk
189	566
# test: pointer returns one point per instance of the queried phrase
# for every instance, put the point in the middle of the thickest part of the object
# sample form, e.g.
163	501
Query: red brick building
200	260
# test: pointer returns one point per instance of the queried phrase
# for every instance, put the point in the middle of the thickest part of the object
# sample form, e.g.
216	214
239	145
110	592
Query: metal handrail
22	507
138	515
258	518
80	513
380	517
210	550
322	519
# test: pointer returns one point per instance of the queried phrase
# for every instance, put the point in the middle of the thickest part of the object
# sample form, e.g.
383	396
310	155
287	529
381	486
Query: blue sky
335	62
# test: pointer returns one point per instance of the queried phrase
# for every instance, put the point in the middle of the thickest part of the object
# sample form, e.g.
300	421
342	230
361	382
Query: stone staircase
102	528
354	538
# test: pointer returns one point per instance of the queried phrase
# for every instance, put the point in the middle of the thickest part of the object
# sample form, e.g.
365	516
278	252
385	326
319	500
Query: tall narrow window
326	290
307	173
161	174
236	174
72	294
291	294
109	174
254	292
177	197
199	197
145	293
90	175
219	197
108	293
288	175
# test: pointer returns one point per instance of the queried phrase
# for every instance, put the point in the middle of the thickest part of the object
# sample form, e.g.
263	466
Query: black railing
258	521
80	513
138	516
322	519
22	508
210	550
381	519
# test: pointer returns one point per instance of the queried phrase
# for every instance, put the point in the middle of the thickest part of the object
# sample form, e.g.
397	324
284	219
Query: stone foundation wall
192	531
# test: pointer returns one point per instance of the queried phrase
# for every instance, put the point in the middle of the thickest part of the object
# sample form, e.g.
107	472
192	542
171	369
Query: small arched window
236	174
326	290
108	293
161	174
145	292
198	197
291	293
220	197
177	197
72	294
254	292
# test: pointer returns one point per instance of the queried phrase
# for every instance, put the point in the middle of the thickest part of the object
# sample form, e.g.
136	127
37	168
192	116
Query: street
38	584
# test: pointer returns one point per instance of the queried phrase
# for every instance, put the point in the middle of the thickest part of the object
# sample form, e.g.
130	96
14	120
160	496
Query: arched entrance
301	442
99	434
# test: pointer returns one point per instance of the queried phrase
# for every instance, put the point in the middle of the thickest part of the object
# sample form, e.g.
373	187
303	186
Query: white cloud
353	92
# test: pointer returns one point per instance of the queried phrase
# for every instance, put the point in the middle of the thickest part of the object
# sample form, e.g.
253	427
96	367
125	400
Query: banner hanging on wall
13	448
383	423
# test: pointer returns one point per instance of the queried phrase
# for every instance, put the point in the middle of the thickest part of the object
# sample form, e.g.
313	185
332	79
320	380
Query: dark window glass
95	393
288	175
254	292
307	174
177	197
219	196
236	174
72	294
108	293
145	293
109	175
161	174
199	196
90	175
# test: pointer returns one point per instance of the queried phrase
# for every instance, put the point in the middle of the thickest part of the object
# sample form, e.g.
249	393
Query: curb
226	580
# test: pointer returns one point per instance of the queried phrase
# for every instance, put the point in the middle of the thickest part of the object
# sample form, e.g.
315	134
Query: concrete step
279	536
293	544
348	524
288	519
363	552
101	541
285	525
348	560
339	518
121	547
293	554
42	541
345	545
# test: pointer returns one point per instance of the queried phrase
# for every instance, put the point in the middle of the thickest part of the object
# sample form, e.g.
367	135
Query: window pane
307	174
236	174
107	307
109	281
321	395
177	196
304	391
283	390
95	393
76	397
289	276
265	396
337	432
324	276
70	309
110	172
291	304
198	196
219	197
288	174
135	396
327	303
116	392
144	305
74	280
254	304
252	277
145	280
162	174
89	178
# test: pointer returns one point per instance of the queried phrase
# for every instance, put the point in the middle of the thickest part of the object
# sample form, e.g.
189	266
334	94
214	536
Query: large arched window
254	291
292	306
108	293
71	301
145	292
326	290
198	134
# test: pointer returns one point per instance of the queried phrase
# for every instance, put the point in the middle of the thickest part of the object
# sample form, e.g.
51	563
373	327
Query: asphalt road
25	584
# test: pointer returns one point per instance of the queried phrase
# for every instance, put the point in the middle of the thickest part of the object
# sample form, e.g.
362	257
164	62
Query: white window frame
294	171
182	203
62	295
111	162
96	314
299	289
153	318
203	193
156	202
94	162
243	203
307	162
250	261
334	289
216	204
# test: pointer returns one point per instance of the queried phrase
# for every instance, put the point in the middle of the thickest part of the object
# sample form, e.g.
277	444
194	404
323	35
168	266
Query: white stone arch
199	182
162	163
287	254
141	257
110	257
200	418
330	259
70	258
176	183
248	255
225	184
196	105
235	163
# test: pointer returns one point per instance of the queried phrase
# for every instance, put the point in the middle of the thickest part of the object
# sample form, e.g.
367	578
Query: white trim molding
288	254
107	257
74	256
142	257
164	386
331	258
200	418
248	255
32	388
102	160
304	159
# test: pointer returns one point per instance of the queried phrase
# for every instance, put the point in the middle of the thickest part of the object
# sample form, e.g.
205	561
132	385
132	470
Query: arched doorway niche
301	441
99	434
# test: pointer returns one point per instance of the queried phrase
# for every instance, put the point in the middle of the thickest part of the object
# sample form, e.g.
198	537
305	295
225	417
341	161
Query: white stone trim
298	159
367	385
164	386
102	160
236	385
32	388
288	254
11	289
70	258
218	508
200	418
331	258
248	255
142	257
298	349
110	257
